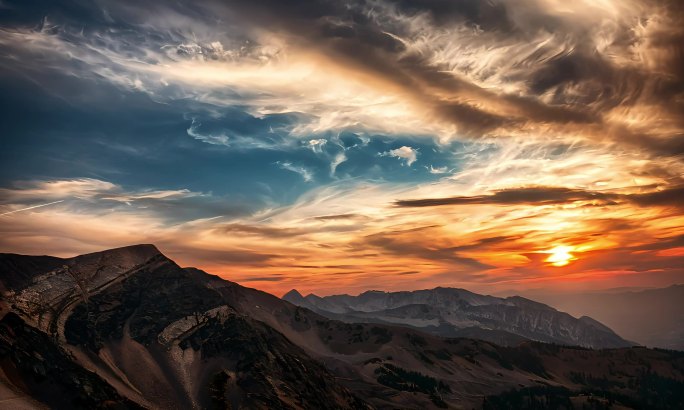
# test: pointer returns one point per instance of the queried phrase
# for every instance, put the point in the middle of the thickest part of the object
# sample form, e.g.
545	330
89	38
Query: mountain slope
18	270
650	317
46	372
131	328
457	312
117	310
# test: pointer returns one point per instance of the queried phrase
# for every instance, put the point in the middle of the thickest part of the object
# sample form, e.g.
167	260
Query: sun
560	255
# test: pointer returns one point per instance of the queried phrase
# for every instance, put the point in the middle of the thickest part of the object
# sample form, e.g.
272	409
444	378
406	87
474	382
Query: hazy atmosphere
337	147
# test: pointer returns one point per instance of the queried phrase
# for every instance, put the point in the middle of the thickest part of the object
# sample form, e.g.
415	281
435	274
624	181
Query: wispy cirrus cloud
539	123
305	173
425	83
84	188
30	207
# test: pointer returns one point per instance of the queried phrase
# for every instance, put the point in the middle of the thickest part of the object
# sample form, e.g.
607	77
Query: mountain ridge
116	309
447	311
206	342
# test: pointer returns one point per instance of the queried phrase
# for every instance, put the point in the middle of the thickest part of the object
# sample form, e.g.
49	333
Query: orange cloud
343	240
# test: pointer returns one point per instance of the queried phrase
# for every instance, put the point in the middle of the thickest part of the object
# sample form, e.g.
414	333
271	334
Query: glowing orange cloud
338	239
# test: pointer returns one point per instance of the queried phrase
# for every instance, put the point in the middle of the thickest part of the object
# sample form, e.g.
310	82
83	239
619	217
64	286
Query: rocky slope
460	313
154	334
128	328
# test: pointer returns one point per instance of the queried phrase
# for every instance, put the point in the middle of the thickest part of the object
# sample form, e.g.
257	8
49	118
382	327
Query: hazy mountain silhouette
649	317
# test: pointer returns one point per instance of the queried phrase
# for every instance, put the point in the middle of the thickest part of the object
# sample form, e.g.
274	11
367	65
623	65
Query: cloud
532	195
557	123
437	170
555	196
98	196
305	173
263	230
398	244
462	71
316	145
30	207
356	231
339	217
264	279
150	194
81	188
86	189
408	154
339	158
215	139
671	196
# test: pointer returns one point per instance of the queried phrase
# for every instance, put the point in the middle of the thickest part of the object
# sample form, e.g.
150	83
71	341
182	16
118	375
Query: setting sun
560	255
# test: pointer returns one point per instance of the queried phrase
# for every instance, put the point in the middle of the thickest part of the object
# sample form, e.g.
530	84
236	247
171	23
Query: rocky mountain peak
133	254
44	290
293	294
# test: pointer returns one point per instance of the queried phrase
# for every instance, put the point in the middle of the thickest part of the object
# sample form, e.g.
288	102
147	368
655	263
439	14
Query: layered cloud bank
341	146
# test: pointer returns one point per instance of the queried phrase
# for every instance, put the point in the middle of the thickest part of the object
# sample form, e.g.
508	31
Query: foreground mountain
133	324
459	313
128	328
650	317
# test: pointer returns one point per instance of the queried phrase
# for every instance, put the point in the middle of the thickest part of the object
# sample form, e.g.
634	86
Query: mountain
650	317
128	328
117	312
459	313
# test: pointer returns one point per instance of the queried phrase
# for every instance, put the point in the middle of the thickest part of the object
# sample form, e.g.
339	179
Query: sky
342	146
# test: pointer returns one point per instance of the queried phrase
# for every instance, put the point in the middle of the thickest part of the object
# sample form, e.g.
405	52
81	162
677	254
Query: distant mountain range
128	329
650	317
453	312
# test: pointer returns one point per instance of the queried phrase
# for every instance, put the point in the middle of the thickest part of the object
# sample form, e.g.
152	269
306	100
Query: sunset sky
341	146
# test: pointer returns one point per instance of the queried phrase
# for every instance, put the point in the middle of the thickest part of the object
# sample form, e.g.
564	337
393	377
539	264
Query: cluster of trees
598	382
647	390
657	392
407	380
532	398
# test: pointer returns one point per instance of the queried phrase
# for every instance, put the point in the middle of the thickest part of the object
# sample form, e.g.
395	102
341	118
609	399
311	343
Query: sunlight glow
560	255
